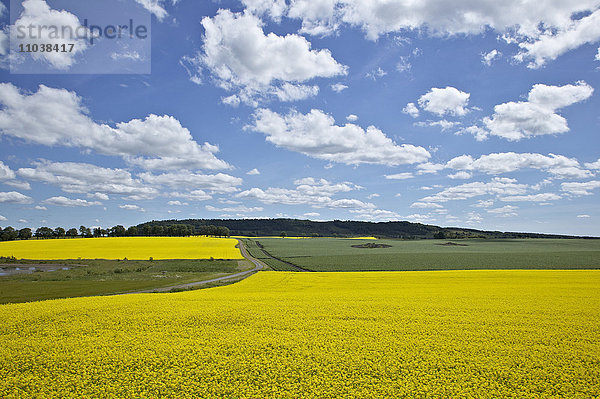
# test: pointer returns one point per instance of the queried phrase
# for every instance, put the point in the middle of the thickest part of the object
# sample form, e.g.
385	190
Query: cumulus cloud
83	178
446	101
177	203
308	191
217	183
156	142
505	211
460	175
316	135
580	189
338	87
156	7
253	172
443	124
132	207
499	186
593	165
537	116
400	176
488	58
238	209
543	31
242	58
496	163
541	197
352	118
13	197
553	43
37	13
411	109
68	202
3	219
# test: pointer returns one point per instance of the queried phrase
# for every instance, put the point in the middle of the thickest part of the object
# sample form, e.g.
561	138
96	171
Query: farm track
300	269
237	276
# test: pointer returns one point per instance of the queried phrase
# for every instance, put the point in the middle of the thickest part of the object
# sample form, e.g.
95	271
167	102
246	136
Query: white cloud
294	92
443	124
553	43
400	176
536	116
352	118
484	203
131	207
312	214
376	73
218	183
429	168
411	109
128	55
241	57
6	173
156	142
376	215
558	165
593	165
155	7
253	172
338	87
177	203
3	219
40	208
449	101
488	58
374	195
580	189
505	211
425	205
100	196
194	195
308	191
85	178
316	135
584	216
541	197
499	186
68	202
238	209
597	58
37	13
14	198
461	175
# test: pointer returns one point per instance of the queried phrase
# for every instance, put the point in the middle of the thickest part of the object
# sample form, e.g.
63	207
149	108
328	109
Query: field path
241	275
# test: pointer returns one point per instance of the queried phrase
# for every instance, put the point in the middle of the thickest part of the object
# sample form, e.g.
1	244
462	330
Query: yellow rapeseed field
456	334
124	247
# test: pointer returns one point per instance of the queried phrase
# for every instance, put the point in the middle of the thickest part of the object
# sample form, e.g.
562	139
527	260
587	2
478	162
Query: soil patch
371	245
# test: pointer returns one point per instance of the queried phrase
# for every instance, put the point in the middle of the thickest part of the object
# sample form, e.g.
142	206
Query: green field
333	254
104	277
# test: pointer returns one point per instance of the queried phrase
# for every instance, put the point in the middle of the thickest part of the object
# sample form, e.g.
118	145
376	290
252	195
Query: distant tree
85	231
59	232
147	230
44	232
158	231
9	234
117	231
25	234
97	232
440	235
132	231
283	234
71	232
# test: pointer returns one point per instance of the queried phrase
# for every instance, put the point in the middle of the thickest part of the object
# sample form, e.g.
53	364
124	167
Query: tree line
173	230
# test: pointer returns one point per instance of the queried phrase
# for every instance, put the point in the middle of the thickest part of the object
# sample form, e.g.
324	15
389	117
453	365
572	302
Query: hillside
339	228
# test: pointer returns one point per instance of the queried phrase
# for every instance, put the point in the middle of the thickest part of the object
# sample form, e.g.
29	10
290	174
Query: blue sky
479	114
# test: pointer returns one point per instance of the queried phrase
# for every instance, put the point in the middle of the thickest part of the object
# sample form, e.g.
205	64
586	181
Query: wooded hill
339	228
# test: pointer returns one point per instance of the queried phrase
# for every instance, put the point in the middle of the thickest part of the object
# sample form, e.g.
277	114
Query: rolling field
334	254
525	334
133	248
103	277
